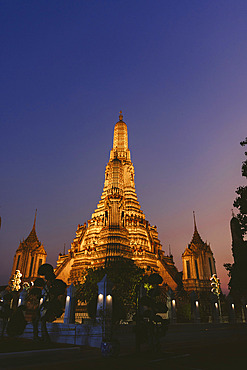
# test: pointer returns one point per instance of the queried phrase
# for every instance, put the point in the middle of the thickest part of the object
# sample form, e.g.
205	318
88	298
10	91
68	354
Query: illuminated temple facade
29	256
118	227
198	264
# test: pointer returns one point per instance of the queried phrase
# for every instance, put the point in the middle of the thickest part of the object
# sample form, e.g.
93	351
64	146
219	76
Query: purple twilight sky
177	69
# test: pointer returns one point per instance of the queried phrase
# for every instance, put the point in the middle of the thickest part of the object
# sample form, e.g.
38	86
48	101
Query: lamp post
171	305
104	316
215	289
69	313
197	311
104	302
232	309
15	286
195	306
16	281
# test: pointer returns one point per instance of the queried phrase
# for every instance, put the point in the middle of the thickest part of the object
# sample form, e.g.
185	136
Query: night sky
177	70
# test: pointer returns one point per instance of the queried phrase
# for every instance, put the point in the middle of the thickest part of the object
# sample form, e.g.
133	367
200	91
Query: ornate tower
198	264
118	227
29	256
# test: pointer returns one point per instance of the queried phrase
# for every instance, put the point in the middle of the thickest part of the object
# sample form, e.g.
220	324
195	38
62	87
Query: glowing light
233	306
197	304
41	301
173	302
216	305
19	301
100	296
108	297
67	299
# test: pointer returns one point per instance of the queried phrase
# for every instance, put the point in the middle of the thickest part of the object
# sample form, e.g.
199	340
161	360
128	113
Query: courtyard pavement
185	347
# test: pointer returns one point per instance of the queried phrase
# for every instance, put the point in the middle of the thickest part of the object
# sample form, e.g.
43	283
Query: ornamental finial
34	224
194	216
120	116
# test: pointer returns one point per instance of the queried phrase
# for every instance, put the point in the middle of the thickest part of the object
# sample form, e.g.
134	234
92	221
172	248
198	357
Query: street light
16	281
215	289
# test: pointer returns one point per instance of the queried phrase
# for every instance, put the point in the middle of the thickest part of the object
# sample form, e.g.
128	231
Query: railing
63	264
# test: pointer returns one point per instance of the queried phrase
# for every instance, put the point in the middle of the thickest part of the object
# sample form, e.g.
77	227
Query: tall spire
194	217
120	139
196	239
170	251
120	116
118	227
32	237
34	223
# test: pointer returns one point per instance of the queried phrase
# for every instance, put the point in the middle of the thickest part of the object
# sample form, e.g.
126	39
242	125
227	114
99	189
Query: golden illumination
29	256
198	264
118	227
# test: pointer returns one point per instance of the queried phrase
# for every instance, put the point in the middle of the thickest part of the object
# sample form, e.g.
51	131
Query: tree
125	276
241	200
237	271
151	300
183	302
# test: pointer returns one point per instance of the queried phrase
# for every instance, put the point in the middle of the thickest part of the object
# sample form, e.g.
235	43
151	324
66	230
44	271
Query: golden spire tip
120	116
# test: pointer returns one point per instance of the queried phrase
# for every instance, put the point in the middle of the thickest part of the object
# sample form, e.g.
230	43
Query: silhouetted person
53	292
32	305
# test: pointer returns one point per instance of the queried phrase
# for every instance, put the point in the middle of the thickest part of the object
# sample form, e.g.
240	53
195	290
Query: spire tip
120	116
194	217
35	218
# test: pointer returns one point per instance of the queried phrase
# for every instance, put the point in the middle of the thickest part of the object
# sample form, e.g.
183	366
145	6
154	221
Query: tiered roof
32	242
196	244
196	238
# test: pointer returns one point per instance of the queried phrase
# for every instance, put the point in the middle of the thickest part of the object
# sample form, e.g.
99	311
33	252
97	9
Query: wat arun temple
118	227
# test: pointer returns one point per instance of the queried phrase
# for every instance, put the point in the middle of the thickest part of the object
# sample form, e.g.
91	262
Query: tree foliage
125	276
237	271
150	326
241	201
238	278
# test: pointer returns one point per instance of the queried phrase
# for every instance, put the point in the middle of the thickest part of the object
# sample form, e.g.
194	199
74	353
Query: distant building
29	256
118	227
198	264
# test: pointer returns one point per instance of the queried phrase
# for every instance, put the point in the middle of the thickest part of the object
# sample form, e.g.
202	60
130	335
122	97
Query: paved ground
186	347
8	344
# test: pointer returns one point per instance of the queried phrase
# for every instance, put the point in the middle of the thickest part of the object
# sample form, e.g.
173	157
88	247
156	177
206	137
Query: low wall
77	334
91	334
